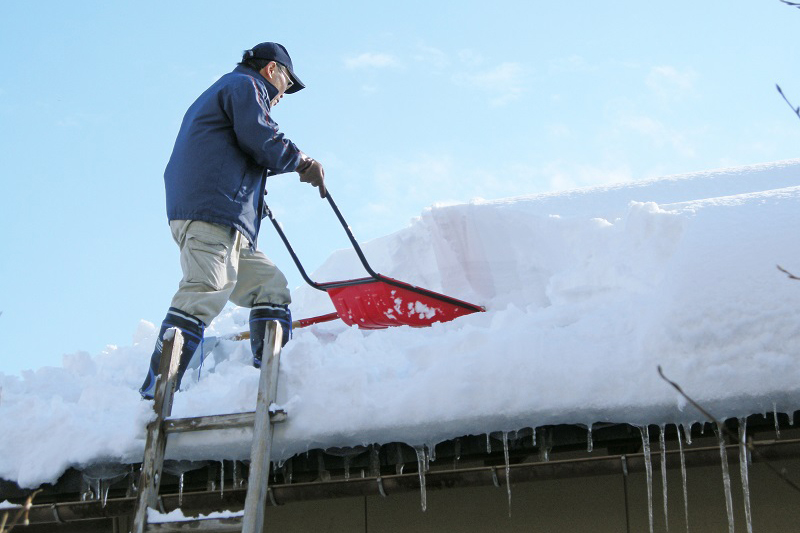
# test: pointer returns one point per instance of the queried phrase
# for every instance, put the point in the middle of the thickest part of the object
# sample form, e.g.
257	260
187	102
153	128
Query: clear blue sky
407	105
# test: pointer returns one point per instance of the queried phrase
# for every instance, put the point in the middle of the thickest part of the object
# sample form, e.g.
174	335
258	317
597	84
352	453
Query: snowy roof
586	291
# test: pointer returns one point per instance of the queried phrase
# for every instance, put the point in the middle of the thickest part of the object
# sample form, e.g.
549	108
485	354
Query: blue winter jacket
226	147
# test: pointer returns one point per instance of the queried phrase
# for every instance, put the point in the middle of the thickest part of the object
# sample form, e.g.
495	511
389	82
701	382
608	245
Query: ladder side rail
156	444
261	450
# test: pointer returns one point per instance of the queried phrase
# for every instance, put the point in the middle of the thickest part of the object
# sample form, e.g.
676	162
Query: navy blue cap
275	52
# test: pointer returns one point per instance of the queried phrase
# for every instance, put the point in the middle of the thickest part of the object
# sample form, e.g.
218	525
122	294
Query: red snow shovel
374	302
377	301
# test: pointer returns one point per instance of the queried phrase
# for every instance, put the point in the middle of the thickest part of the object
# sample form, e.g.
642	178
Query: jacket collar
272	91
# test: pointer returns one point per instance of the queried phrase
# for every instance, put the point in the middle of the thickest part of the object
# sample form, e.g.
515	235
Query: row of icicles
744	461
425	455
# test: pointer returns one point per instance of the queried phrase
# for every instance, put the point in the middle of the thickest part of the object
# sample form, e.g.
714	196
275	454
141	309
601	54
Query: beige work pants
219	265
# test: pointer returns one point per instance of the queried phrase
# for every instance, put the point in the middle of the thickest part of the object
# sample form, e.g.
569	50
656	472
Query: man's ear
269	70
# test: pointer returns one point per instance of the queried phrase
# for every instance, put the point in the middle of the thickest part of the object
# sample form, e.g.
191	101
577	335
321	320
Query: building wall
584	504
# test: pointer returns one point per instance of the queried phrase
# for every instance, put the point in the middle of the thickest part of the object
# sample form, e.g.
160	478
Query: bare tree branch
782	473
791	276
795	109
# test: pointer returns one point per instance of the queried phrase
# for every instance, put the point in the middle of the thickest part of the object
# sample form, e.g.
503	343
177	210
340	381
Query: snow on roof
586	291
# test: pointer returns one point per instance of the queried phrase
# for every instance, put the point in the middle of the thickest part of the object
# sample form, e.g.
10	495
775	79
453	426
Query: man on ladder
215	180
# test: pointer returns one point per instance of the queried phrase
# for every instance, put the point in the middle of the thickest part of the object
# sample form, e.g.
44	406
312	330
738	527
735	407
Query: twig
795	109
793	4
22	514
782	473
791	276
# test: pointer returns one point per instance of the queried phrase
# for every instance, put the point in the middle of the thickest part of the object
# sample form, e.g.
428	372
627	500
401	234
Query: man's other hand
311	171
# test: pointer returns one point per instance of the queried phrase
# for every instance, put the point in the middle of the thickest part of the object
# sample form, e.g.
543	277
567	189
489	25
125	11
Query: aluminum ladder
262	421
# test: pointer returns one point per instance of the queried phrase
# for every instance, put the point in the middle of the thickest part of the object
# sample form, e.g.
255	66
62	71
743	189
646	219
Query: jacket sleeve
256	133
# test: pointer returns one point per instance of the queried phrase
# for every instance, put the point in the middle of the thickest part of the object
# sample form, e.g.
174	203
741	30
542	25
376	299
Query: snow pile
154	517
586	292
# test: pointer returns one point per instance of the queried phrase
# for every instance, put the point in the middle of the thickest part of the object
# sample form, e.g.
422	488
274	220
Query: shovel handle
348	231
302	323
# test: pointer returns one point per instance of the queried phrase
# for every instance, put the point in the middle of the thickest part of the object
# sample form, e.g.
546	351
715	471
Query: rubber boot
192	329
259	314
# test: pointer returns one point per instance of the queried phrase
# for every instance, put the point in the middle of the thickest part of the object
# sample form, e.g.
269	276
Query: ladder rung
204	423
229	421
204	524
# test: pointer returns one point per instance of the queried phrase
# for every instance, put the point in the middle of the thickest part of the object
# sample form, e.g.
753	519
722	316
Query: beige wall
587	504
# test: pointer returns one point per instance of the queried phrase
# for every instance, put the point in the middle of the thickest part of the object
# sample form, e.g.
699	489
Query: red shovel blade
381	303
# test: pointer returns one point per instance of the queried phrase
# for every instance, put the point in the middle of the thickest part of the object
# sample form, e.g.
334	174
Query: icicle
286	470
400	465
235	476
775	416
422	461
180	491
508	470
662	442
589	441
534	436
488	444
347	467
133	489
432	454
107	489
683	479
688	432
222	479
743	470
726	478
457	453
648	466
545	447
324	475
374	461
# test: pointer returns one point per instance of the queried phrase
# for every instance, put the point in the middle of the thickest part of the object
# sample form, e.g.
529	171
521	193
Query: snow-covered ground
586	291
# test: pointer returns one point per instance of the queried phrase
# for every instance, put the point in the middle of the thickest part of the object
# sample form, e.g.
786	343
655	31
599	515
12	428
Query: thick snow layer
586	291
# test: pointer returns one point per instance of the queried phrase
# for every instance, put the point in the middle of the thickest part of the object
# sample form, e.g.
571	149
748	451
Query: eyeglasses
286	75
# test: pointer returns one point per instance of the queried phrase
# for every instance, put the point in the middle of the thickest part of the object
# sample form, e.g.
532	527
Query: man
215	181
